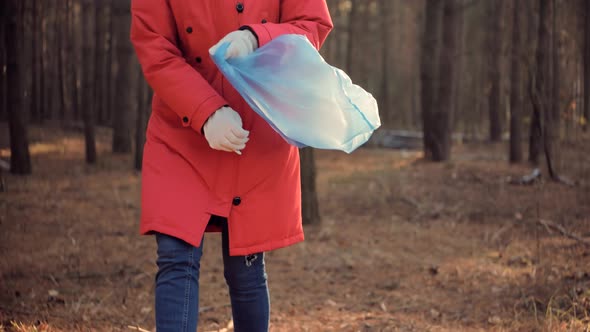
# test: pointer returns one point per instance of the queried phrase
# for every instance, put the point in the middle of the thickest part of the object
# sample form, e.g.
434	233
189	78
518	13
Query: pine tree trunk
123	109
144	97
108	100
20	160
535	135
36	70
516	104
429	74
442	113
353	18
88	79
3	81
386	46
544	93
552	112
495	48
309	200
587	66
99	61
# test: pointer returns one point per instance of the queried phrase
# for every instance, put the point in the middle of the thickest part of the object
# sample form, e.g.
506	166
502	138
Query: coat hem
273	245
189	238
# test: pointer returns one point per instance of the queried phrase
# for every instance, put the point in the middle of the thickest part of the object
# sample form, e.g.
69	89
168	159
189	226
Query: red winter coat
184	181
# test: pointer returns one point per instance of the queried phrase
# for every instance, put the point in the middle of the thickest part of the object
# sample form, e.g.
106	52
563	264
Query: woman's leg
246	278
177	285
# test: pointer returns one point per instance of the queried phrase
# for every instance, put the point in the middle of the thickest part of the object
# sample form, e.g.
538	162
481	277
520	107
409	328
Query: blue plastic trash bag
307	101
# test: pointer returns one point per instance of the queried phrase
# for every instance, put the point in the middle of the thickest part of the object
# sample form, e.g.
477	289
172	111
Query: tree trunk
122	112
543	90
587	66
109	88
494	46
36	70
309	200
442	114
429	74
88	79
144	97
25	54
535	135
50	59
552	112
20	160
3	82
99	60
75	65
386	46
352	24
516	104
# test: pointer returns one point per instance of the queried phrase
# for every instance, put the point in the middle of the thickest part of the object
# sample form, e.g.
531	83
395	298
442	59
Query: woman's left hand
242	43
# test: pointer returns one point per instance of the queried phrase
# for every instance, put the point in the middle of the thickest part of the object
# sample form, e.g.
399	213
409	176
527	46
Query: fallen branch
551	225
528	179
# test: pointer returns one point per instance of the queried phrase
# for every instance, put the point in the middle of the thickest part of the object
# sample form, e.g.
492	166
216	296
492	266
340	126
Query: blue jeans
177	286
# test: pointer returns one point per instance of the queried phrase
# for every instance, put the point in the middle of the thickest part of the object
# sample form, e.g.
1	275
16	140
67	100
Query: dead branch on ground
549	225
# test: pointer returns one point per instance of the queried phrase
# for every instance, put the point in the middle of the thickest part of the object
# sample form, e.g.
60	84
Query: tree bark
122	111
535	135
3	82
26	55
385	103
543	91
88	78
443	112
494	46
144	97
515	155
100	69
353	17
587	66
20	160
36	69
309	200
429	74
552	112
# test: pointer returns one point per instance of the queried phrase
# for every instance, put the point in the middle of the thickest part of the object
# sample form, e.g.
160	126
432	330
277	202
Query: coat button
236	201
198	59
185	119
264	21
189	30
240	7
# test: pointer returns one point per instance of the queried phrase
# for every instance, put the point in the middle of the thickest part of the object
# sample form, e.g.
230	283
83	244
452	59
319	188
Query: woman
210	163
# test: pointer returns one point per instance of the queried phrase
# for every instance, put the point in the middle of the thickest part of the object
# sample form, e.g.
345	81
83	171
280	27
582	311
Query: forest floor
405	245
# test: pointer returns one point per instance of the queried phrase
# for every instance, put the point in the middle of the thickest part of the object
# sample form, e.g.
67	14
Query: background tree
586	60
516	85
124	80
429	74
89	33
494	47
544	88
144	97
309	200
20	160
442	113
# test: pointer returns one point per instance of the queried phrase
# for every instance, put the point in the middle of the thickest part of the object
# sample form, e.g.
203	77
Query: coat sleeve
304	17
180	86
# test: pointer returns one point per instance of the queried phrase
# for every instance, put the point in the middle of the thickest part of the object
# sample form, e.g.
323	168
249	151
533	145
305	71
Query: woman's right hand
223	130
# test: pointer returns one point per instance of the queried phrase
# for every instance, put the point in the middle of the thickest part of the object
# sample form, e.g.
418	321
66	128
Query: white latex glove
223	130
242	43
